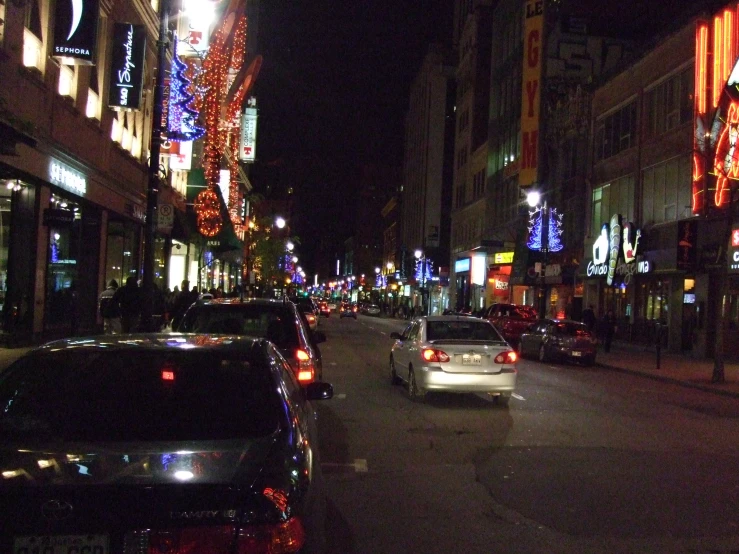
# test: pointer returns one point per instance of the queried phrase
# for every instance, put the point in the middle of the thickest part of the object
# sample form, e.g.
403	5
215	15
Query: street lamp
280	222
533	198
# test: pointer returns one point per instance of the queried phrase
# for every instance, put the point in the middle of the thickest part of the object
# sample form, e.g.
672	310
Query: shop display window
122	252
5	205
65	245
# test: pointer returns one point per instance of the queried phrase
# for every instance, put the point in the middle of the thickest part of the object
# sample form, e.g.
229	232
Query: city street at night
584	460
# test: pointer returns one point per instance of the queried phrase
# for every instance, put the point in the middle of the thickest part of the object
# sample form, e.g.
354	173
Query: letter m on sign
529	142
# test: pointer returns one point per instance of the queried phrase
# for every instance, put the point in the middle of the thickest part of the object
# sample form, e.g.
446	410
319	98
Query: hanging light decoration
182	117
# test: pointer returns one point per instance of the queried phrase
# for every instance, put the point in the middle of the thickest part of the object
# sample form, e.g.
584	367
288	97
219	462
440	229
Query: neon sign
615	252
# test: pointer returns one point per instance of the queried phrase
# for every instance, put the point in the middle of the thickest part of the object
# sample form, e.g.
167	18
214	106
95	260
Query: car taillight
311	318
509	357
282	538
354	309
433	355
303	366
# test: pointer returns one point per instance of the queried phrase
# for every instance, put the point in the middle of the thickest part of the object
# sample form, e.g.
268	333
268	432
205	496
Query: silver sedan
453	354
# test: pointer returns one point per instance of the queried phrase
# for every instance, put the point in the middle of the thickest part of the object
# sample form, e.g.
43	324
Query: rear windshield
572	329
272	322
461	330
114	395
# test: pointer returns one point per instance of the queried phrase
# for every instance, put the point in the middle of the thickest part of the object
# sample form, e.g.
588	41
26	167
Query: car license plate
576	353
62	544
471	359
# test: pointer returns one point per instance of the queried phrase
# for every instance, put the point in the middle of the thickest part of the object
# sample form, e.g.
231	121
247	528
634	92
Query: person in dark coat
183	301
588	317
609	329
128	299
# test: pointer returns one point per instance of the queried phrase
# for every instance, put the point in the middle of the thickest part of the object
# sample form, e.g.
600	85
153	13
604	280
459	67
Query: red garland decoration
208	208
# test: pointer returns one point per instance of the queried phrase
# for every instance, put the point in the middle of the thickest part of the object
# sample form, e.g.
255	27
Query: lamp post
152	193
533	198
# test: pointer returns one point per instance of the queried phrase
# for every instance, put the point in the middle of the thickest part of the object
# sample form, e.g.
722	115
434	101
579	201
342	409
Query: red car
511	320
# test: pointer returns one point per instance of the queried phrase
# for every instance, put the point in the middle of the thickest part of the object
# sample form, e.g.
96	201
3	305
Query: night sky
332	92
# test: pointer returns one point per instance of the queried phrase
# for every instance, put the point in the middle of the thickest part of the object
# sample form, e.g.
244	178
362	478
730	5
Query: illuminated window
666	189
155	5
116	131
2	19
31	50
66	80
93	105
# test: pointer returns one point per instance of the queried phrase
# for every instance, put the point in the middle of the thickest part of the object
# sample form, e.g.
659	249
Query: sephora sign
127	66
76	31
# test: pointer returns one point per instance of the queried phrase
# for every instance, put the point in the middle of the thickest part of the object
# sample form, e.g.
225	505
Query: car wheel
414	391
394	379
543	357
503	399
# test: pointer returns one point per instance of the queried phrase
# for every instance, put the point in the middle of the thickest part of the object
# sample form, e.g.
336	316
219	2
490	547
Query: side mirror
319	337
396	335
319	391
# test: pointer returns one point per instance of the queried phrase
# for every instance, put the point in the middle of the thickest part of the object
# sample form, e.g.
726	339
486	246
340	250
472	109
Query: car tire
543	356
394	379
503	399
415	392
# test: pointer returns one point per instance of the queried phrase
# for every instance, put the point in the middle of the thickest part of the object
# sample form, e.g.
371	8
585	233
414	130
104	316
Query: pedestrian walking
609	329
128	298
588	317
183	301
110	311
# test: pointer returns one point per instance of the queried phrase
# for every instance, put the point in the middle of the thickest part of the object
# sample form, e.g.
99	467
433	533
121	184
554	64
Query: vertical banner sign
615	248
127	66
248	144
76	31
533	52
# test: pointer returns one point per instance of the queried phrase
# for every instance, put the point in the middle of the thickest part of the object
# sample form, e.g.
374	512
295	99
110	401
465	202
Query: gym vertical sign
533	52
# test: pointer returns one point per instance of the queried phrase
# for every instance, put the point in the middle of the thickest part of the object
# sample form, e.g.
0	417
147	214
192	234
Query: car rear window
572	329
114	395
461	330
272	322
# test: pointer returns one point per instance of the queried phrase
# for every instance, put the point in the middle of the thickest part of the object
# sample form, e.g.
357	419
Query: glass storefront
5	206
122	252
64	224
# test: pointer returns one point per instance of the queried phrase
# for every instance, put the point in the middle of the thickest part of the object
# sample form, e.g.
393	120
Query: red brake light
433	355
167	375
509	357
283	538
302	356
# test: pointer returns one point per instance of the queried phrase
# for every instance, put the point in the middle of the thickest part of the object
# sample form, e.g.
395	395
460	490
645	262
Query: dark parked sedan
159	443
278	321
559	339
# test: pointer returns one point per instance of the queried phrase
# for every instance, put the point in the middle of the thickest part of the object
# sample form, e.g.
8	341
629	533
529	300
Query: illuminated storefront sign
531	91
734	251
194	26
460	266
67	178
503	258
248	144
75	31
615	253
127	66
182	160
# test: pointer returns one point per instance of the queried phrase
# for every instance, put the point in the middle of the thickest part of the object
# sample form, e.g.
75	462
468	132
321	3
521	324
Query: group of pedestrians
121	307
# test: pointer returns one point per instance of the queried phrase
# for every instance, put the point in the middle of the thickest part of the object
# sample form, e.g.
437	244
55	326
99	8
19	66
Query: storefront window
159	263
5	204
122	251
64	220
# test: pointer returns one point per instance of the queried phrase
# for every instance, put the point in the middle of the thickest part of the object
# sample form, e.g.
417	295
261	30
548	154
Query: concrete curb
673	380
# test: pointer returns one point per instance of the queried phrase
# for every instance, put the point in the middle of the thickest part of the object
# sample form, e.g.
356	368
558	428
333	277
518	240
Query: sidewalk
674	368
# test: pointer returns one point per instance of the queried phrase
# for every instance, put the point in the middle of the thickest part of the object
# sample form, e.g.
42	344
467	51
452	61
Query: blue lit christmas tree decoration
182	118
418	272
380	281
554	242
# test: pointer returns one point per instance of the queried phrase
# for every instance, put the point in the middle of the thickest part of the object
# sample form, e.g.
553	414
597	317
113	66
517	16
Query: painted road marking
341	396
360	466
518	396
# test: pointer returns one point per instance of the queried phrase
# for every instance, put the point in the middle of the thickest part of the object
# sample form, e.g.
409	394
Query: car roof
452	317
159	341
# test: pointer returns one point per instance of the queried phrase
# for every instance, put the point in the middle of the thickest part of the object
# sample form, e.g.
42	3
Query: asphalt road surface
583	460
